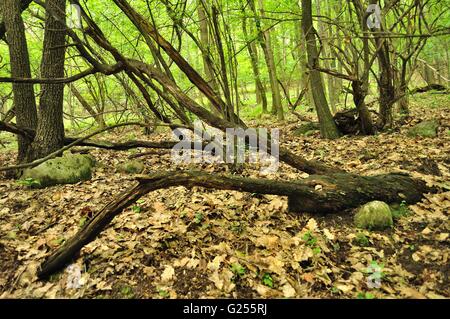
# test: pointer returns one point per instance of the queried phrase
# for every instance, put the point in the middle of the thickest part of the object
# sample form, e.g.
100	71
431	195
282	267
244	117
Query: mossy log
336	193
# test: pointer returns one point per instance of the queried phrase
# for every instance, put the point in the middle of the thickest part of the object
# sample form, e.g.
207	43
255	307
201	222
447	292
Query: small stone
307	129
374	215
131	167
424	129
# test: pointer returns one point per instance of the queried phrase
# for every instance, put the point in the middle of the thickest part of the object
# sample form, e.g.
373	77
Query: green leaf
198	218
137	209
238	269
267	280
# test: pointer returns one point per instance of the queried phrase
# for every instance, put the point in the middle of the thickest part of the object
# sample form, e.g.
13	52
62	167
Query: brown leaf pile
201	243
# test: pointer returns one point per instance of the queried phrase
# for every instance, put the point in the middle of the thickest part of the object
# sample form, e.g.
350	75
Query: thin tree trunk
99	119
253	53
206	52
265	43
328	128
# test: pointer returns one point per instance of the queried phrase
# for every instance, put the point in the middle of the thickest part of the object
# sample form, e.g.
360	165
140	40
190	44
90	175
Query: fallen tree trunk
337	192
431	87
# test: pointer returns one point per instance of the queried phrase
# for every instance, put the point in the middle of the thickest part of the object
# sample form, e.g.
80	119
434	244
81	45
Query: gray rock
307	129
374	215
131	167
69	169
424	129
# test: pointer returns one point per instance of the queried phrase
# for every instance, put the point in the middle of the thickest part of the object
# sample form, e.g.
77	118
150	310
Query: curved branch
65	148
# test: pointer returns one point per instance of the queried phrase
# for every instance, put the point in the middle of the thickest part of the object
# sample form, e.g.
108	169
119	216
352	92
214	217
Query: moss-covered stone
307	129
374	215
69	169
424	129
131	167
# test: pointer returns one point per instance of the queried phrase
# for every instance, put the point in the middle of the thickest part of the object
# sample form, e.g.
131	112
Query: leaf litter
203	243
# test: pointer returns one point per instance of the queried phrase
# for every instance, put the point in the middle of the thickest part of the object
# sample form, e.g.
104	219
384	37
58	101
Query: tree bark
23	6
206	50
253	53
24	99
328	128
50	129
265	43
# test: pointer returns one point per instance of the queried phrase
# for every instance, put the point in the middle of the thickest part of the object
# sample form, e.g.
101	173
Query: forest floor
202	243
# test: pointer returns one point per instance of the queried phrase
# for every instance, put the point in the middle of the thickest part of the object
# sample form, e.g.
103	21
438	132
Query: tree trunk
303	62
265	43
328	128
24	99
329	61
50	129
386	84
365	120
339	192
206	50
23	6
253	53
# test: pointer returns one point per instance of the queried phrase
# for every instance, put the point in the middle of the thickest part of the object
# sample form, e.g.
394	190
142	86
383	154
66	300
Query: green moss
361	240
131	167
399	210
69	169
374	215
307	129
424	129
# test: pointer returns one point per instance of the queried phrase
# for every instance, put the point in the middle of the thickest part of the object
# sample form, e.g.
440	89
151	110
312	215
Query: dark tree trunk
365	120
386	81
24	99
23	5
50	129
328	128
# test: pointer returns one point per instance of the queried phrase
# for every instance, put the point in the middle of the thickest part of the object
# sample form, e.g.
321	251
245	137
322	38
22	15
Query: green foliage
29	182
267	280
163	293
365	295
237	227
198	219
309	238
82	222
361	240
136	209
238	270
400	210
127	292
58	241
